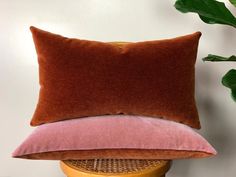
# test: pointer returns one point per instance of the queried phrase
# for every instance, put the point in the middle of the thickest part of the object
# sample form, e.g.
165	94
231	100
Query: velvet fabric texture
118	136
81	78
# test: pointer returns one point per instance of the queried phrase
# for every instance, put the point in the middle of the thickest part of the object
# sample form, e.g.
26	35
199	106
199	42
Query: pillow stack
125	100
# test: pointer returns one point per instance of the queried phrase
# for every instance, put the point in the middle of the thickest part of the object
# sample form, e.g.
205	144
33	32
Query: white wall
110	20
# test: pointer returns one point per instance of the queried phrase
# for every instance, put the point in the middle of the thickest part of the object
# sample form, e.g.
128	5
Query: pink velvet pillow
114	136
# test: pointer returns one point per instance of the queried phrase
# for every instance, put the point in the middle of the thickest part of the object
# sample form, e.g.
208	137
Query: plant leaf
233	2
217	58
233	94
210	11
229	80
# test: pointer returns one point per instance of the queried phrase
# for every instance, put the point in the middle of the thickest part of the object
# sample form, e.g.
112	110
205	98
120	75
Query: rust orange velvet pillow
81	78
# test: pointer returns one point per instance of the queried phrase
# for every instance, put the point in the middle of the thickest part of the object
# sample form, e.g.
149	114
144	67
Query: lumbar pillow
81	78
118	136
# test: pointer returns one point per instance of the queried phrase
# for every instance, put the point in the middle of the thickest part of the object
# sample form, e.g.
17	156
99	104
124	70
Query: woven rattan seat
115	167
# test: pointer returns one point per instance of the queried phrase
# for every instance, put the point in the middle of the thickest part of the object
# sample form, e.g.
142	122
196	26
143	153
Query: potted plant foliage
214	12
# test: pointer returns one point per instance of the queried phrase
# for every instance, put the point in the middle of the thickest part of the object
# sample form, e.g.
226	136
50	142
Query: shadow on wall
217	112
215	128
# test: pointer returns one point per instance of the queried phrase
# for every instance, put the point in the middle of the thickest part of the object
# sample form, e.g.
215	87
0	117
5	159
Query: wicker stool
115	168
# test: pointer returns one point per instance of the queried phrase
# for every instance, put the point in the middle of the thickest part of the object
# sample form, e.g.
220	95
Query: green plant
214	12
